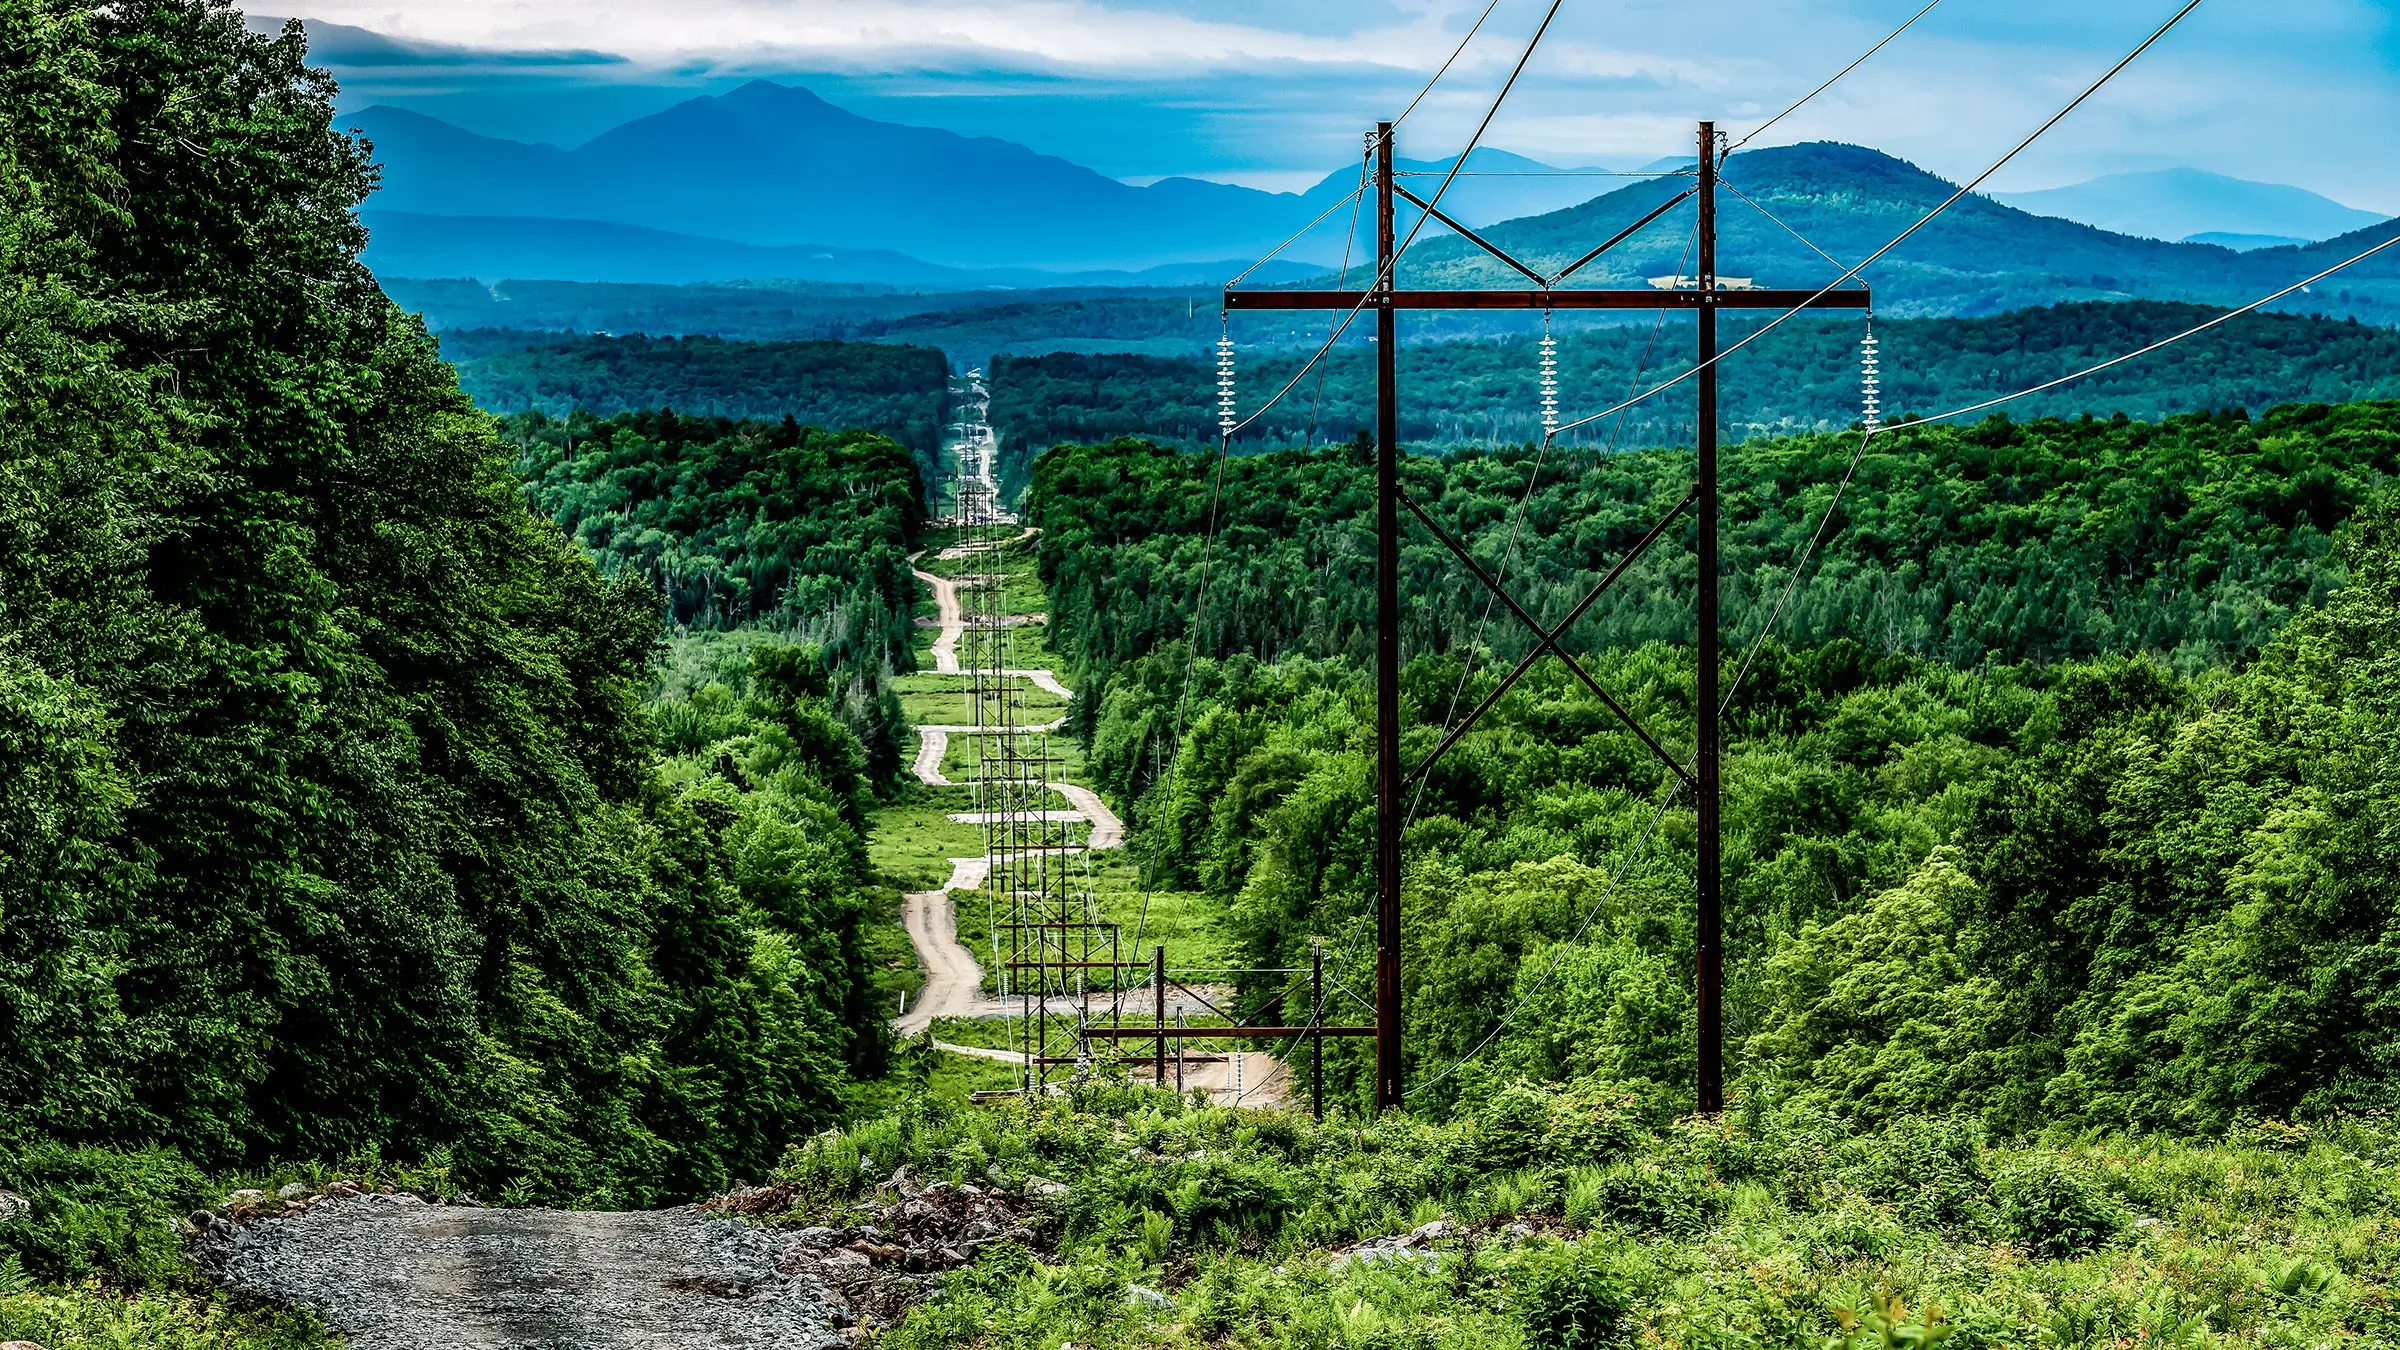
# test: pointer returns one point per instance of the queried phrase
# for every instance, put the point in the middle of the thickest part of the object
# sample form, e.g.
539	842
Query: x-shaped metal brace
1546	282
1548	638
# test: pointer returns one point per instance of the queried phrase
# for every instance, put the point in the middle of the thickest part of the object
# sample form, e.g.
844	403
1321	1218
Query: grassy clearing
1029	648
891	957
1177	920
910	842
942	701
962	761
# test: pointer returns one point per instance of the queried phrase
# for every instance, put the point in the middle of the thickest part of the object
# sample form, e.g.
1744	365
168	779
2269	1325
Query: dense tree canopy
2063	803
2092	892
329	815
1802	377
900	391
800	530
2192	539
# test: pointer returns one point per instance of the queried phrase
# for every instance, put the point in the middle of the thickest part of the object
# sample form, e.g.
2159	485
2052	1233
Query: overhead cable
2194	331
1297	234
1801	566
1905	235
1455	53
1760	207
1383	275
1756	131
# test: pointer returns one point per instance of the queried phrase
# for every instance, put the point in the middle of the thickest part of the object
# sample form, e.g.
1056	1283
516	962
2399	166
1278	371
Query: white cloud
1276	87
1062	33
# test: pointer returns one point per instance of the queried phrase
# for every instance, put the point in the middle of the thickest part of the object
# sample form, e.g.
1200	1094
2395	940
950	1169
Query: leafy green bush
2056	1209
1931	1167
1569	1296
85	1319
1651	1197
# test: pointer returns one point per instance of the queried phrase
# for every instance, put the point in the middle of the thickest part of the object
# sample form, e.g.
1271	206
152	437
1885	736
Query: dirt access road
953	976
393	1273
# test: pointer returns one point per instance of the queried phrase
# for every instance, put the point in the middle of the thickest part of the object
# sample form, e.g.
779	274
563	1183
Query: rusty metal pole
1387	644
1158	981
1710	962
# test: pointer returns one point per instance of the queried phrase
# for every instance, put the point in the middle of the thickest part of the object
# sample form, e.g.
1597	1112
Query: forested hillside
1977	257
2087	891
1802	377
2193	540
797	530
331	822
900	391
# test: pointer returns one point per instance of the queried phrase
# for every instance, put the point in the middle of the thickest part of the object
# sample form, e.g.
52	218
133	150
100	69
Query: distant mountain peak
2180	202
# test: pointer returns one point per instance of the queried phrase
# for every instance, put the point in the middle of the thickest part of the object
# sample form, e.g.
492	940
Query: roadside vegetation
1594	1215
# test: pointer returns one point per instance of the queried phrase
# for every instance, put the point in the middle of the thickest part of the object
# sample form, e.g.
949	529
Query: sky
1274	93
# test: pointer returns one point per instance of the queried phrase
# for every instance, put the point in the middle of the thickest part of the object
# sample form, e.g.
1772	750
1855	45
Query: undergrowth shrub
101	1214
2055	1209
1930	1167
1570	1296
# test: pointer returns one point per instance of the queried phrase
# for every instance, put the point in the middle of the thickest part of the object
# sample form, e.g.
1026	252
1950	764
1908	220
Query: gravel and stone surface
394	1273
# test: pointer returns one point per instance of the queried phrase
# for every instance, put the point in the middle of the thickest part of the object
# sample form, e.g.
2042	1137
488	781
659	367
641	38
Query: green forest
2085	818
333	823
902	392
493	804
791	529
1803	377
2191	540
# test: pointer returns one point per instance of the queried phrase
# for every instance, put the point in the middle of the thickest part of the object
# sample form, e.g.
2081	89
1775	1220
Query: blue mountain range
770	181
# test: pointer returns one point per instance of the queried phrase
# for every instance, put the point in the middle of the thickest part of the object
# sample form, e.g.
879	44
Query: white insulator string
1549	380
1225	414
1870	381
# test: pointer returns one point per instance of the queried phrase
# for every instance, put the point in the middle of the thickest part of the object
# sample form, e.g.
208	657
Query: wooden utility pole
1387	640
1709	981
1704	297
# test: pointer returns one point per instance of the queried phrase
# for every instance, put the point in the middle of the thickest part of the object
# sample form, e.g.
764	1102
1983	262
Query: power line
1905	235
1837	79
1801	567
1355	193
1383	275
1508	554
2194	331
1550	173
1455	53
1358	201
1759	207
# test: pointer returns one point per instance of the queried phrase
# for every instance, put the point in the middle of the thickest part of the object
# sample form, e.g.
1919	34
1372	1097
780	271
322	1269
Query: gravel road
393	1273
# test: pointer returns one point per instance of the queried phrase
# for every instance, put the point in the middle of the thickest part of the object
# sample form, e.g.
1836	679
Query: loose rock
13	1208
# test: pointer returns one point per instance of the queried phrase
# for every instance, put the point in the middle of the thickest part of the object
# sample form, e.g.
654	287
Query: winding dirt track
953	977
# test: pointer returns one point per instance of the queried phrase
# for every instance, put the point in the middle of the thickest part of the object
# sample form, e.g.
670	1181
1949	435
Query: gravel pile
394	1273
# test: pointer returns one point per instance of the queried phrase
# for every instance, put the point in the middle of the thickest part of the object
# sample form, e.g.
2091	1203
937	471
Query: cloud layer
1275	90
